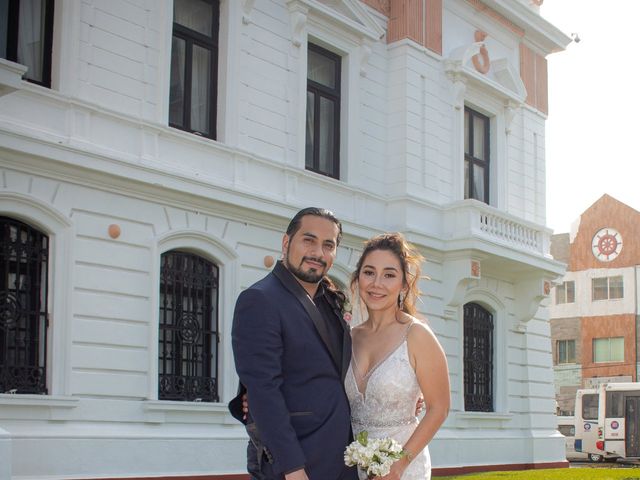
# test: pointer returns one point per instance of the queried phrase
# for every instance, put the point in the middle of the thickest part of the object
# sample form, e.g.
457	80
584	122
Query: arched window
478	359
24	253
188	336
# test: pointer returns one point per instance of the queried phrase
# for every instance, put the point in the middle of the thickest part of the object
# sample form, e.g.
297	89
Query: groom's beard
310	276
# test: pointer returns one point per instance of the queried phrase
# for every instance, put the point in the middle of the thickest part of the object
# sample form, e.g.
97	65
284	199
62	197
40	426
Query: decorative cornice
365	25
537	30
382	6
501	19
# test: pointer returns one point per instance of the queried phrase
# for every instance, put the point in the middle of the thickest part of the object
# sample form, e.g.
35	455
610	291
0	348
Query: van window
567	430
615	405
590	406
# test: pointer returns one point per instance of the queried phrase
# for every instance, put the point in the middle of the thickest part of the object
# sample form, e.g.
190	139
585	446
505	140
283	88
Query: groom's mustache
315	259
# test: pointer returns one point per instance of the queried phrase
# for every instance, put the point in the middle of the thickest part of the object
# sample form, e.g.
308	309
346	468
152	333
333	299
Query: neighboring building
150	162
595	312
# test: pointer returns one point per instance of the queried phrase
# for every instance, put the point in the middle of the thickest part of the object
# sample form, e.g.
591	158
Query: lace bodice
386	406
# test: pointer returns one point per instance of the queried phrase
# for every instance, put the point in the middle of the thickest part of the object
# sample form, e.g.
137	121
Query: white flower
375	456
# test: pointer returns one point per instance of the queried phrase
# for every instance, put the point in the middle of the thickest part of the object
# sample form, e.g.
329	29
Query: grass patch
555	474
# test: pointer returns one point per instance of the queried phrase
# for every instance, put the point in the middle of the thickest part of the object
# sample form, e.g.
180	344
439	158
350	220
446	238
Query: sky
593	128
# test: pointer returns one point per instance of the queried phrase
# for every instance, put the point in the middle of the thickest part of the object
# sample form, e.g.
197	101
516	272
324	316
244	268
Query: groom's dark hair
294	224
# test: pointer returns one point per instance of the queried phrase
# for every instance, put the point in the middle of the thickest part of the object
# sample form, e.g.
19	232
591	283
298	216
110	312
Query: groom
292	350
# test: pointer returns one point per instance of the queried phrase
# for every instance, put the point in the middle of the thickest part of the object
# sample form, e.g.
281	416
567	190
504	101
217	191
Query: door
632	427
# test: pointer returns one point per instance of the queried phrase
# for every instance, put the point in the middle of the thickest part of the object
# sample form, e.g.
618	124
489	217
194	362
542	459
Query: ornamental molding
501	79
349	15
462	274
247	7
529	295
481	60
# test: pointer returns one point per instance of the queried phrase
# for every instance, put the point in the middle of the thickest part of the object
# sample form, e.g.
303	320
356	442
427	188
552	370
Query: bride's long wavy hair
410	261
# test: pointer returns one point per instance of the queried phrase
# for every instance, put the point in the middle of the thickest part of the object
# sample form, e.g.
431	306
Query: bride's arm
430	364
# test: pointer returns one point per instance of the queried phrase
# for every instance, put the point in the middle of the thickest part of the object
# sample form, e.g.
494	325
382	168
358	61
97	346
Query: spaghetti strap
365	377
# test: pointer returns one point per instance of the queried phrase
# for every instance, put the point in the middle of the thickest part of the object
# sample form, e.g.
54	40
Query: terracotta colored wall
533	71
505	22
383	6
420	21
604	327
606	212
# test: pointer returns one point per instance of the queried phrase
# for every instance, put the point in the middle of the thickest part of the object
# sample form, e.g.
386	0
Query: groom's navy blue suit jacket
293	368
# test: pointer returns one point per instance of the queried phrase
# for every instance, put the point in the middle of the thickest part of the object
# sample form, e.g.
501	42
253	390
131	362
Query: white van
567	427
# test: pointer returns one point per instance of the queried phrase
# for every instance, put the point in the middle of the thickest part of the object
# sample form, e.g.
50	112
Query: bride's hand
397	469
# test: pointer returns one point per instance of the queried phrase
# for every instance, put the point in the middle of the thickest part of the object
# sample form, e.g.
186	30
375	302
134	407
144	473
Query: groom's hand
297	475
419	406
245	406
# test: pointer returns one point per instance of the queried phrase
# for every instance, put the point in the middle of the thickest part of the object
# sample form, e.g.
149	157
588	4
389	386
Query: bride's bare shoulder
420	333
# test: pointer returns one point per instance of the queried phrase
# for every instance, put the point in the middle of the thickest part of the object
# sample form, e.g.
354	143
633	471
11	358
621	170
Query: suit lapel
346	340
291	284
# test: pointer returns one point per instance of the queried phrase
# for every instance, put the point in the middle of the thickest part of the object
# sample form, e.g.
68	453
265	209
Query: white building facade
152	157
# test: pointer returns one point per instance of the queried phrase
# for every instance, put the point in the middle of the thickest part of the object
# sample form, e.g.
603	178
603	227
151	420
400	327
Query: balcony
501	239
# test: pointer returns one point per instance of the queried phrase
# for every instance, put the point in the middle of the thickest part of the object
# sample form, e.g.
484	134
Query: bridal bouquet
374	456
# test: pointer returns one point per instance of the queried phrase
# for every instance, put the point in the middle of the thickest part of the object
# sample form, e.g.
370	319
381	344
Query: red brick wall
606	326
606	212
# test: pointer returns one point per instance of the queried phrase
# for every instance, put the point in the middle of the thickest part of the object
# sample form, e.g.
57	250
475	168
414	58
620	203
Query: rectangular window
566	292
26	36
476	155
194	66
616	289
607	288
608	349
322	152
566	351
590	406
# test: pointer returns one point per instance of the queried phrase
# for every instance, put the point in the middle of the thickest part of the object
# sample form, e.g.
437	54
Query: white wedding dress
386	407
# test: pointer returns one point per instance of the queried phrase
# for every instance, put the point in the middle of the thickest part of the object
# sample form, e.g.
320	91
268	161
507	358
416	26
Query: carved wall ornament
114	230
481	60
365	53
475	269
247	6
298	22
510	110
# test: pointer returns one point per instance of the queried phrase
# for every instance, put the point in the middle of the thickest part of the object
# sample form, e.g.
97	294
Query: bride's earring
401	300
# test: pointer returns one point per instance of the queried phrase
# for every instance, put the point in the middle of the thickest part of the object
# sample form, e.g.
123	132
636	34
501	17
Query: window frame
471	160
562	292
609	359
212	44
13	21
559	351
608	288
335	95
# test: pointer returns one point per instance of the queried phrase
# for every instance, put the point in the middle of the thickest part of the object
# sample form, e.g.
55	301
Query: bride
396	358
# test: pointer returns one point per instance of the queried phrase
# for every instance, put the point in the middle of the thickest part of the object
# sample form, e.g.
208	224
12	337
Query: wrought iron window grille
188	328
478	359
24	254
